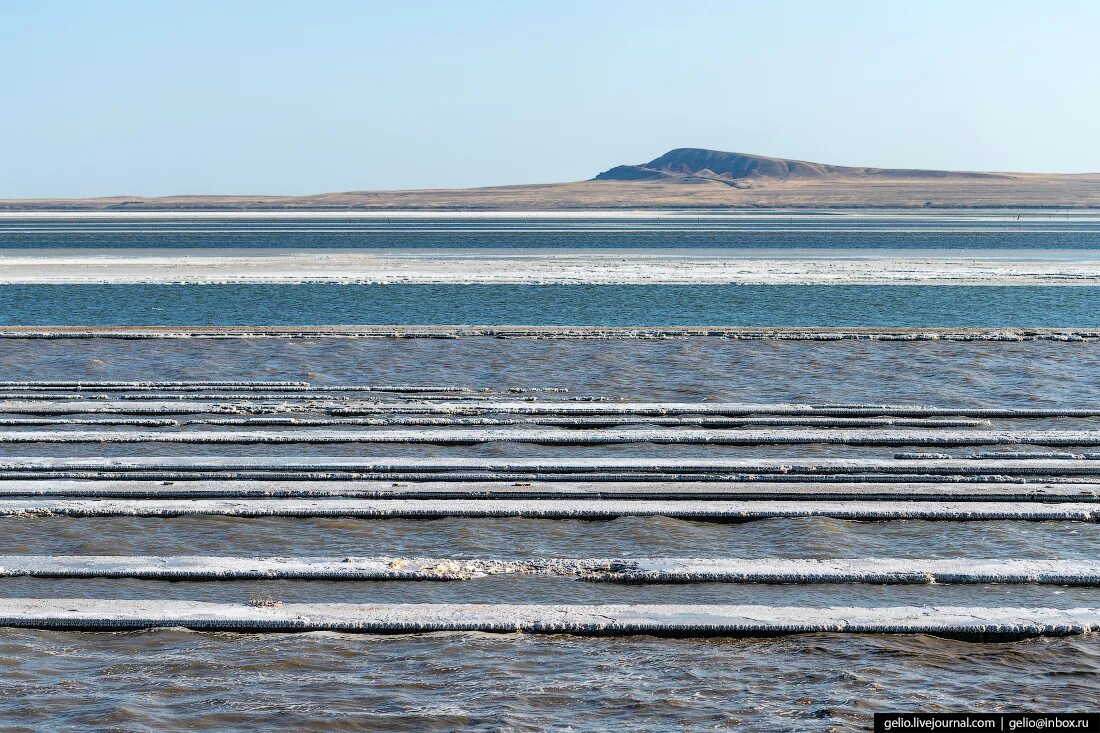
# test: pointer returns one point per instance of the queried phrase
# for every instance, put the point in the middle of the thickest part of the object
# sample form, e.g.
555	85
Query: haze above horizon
122	97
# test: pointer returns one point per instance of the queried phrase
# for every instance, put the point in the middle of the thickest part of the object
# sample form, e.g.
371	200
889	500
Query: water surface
175	680
553	305
960	229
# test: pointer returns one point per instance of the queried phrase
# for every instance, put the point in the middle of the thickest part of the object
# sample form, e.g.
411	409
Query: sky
155	98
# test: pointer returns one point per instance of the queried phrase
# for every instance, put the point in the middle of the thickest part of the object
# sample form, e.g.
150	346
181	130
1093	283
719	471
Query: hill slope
695	165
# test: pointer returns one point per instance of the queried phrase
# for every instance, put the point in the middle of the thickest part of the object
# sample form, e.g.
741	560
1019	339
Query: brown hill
696	165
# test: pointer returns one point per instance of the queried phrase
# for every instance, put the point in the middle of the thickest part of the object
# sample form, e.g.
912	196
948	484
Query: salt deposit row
584	422
492	469
726	409
243	404
1013	455
969	622
460	478
782	490
718	510
560	267
985	486
85	407
277	387
20	422
543	436
288	396
615	570
96	385
564	422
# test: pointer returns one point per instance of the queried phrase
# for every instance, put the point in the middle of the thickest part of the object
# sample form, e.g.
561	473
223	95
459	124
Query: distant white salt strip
719	510
617	570
778	490
512	267
553	436
666	620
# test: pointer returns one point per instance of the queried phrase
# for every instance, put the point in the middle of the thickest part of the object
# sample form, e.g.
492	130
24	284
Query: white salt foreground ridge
597	421
617	570
670	620
515	267
1022	485
249	404
725	510
850	490
542	469
185	385
552	436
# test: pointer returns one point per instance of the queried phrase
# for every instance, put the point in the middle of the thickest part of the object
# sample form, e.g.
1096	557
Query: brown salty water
177	680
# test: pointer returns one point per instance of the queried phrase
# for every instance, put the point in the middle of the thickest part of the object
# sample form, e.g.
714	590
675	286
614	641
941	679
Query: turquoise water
1038	234
544	305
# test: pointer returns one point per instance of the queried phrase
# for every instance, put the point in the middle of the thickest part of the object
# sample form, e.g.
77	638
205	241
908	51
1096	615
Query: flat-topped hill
695	165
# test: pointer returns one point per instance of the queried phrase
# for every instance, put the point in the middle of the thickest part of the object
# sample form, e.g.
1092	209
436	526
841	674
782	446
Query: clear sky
161	97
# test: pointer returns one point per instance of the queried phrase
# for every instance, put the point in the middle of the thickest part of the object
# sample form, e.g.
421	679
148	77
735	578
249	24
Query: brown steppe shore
1009	190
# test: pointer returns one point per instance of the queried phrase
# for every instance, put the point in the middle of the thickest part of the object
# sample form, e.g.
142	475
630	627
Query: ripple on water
172	679
175	679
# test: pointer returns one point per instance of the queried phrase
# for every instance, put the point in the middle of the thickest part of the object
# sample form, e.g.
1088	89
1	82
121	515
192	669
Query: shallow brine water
554	305
968	234
176	680
173	679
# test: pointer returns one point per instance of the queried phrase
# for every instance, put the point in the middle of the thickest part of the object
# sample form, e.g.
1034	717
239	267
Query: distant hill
719	180
696	165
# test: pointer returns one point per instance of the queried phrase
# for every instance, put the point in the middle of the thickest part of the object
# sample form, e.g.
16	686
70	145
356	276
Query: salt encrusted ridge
611	619
612	570
722	510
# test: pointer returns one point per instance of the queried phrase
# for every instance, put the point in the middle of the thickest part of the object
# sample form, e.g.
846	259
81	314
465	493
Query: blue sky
118	97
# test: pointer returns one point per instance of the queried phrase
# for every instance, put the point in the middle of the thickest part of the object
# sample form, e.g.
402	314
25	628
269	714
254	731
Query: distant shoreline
1007	213
19	208
683	178
1007	192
